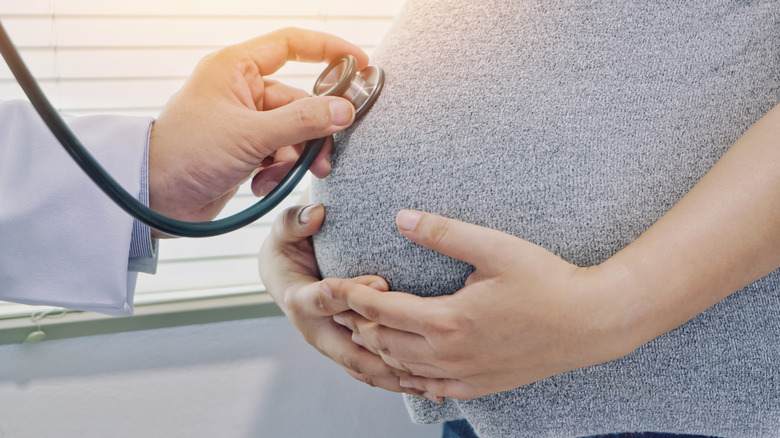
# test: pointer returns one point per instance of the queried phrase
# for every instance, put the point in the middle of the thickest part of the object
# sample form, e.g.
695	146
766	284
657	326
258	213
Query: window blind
130	57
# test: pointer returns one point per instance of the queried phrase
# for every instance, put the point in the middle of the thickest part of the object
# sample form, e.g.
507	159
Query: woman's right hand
289	271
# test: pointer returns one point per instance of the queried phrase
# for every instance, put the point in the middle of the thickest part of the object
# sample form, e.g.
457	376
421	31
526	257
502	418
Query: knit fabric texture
574	124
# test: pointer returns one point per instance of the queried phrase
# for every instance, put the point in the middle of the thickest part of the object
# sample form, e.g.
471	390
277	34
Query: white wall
254	378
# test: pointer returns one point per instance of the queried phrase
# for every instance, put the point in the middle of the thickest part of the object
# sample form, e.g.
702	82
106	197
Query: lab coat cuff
143	249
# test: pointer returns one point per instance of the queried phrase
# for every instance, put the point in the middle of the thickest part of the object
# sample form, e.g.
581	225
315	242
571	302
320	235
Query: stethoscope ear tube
118	194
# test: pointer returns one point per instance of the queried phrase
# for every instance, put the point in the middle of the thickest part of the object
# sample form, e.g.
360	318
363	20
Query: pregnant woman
635	139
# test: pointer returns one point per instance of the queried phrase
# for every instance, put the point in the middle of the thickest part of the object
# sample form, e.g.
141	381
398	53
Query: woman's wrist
636	320
620	316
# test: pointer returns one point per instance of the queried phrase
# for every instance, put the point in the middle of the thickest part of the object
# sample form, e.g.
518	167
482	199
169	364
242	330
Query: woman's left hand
523	315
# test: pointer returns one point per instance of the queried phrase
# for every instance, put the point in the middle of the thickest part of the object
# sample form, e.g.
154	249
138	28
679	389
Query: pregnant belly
559	194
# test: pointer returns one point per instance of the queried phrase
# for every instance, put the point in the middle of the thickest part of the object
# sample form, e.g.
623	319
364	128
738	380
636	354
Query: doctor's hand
229	122
289	271
523	315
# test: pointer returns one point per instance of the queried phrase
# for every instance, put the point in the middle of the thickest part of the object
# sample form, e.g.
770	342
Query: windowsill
150	316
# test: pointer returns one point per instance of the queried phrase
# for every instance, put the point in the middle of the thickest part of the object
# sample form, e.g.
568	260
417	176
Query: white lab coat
62	240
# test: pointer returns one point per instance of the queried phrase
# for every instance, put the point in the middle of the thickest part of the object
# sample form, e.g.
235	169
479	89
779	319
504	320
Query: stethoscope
340	78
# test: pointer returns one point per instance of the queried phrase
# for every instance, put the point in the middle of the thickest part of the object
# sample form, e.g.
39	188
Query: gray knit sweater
574	124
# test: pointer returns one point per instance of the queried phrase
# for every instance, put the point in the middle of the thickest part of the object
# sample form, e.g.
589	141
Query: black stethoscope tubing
119	195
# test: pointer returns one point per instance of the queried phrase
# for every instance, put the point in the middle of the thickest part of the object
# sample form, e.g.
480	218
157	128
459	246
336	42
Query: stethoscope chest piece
342	79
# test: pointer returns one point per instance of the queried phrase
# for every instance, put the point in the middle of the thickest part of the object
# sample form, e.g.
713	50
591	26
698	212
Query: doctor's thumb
304	119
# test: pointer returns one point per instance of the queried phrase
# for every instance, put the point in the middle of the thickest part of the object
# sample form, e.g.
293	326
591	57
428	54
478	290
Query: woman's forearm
721	236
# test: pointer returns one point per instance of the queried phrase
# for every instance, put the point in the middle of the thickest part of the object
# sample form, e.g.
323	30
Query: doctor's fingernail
407	220
340	112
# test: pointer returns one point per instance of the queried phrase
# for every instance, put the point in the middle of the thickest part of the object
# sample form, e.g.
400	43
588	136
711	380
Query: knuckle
350	362
288	220
451	319
309	118
438	231
284	224
220	56
371	313
323	305
232	55
368	380
349	321
383	351
403	368
287	32
382	346
290	303
445	326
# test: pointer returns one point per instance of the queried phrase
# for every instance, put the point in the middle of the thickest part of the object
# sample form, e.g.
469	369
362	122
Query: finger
450	388
297	223
278	94
375	342
271	174
387	383
274	169
267	179
397	310
470	243
322	163
347	319
402	350
299	121
270	52
327	306
334	341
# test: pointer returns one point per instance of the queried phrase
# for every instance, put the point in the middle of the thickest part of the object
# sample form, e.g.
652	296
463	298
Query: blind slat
184	32
205	7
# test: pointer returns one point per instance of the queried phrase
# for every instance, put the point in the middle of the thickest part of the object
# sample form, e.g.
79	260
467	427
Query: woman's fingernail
357	339
405	383
341	112
339	320
325	289
305	215
407	219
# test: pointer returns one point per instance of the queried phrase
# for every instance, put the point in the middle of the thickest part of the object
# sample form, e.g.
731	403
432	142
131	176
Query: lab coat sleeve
62	241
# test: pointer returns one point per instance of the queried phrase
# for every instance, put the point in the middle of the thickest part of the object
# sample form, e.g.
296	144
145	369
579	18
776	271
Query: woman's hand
228	121
289	271
523	315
